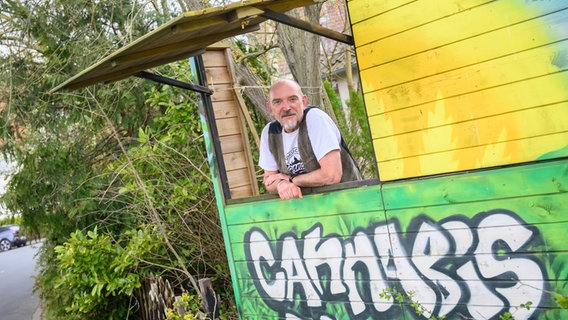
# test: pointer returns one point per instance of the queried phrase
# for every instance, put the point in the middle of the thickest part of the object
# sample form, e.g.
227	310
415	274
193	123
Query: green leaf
142	137
561	300
123	190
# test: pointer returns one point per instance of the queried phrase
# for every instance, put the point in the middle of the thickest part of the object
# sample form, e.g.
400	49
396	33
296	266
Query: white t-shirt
324	136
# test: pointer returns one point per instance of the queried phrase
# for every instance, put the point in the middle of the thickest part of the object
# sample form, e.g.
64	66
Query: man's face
287	104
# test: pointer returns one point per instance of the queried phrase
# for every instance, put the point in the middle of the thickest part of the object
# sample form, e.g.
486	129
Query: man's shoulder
273	127
315	113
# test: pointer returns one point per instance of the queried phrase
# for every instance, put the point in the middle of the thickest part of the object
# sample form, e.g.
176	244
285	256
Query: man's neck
290	131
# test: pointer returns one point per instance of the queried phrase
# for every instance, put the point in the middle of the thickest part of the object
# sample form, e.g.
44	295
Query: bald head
287	103
286	82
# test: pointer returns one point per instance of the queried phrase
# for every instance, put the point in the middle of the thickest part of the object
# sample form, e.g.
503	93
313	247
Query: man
302	147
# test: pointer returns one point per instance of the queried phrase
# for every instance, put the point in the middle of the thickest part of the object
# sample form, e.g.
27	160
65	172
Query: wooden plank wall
230	122
450	85
467	246
459	85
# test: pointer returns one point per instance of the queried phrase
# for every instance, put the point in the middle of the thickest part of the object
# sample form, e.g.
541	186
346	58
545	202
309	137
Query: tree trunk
254	86
302	52
348	60
348	70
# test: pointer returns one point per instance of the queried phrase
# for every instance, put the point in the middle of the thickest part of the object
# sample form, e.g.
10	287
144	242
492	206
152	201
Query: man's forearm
317	178
330	172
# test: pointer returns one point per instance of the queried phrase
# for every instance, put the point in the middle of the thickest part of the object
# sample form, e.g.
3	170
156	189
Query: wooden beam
197	26
245	113
113	70
176	46
123	73
307	26
243	13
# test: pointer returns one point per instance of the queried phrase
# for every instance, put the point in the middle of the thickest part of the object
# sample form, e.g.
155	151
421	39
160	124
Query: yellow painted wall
458	85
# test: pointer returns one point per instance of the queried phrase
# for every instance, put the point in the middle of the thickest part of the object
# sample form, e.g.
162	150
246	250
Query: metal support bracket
306	26
174	82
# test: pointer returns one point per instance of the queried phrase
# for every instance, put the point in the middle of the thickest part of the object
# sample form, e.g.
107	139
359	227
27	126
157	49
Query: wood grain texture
481	243
445	93
232	135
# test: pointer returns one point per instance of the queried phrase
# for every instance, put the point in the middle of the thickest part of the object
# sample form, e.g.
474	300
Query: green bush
355	130
360	137
11	220
95	278
337	106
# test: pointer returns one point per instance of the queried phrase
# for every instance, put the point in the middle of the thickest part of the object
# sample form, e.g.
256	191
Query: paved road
17	266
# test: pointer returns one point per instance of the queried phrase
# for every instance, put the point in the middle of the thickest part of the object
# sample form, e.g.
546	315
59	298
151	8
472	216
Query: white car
10	237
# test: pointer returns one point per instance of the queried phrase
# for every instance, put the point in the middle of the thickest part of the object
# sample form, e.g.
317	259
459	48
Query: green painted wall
477	244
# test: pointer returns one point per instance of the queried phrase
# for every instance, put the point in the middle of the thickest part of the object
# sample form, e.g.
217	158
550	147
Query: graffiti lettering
475	267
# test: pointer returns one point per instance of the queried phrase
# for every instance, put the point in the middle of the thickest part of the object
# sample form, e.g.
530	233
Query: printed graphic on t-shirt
294	162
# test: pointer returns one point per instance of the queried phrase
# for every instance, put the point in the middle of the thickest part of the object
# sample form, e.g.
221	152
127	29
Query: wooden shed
467	104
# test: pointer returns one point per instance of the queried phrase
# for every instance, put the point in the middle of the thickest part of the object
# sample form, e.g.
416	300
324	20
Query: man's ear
305	100
269	107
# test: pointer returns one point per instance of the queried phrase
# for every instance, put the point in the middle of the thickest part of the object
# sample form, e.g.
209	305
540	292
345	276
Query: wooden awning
185	36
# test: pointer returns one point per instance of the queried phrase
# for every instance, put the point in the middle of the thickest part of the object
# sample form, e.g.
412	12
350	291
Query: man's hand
279	183
330	172
288	190
271	177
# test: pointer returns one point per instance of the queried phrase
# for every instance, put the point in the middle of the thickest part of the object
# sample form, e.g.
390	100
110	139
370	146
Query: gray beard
291	126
